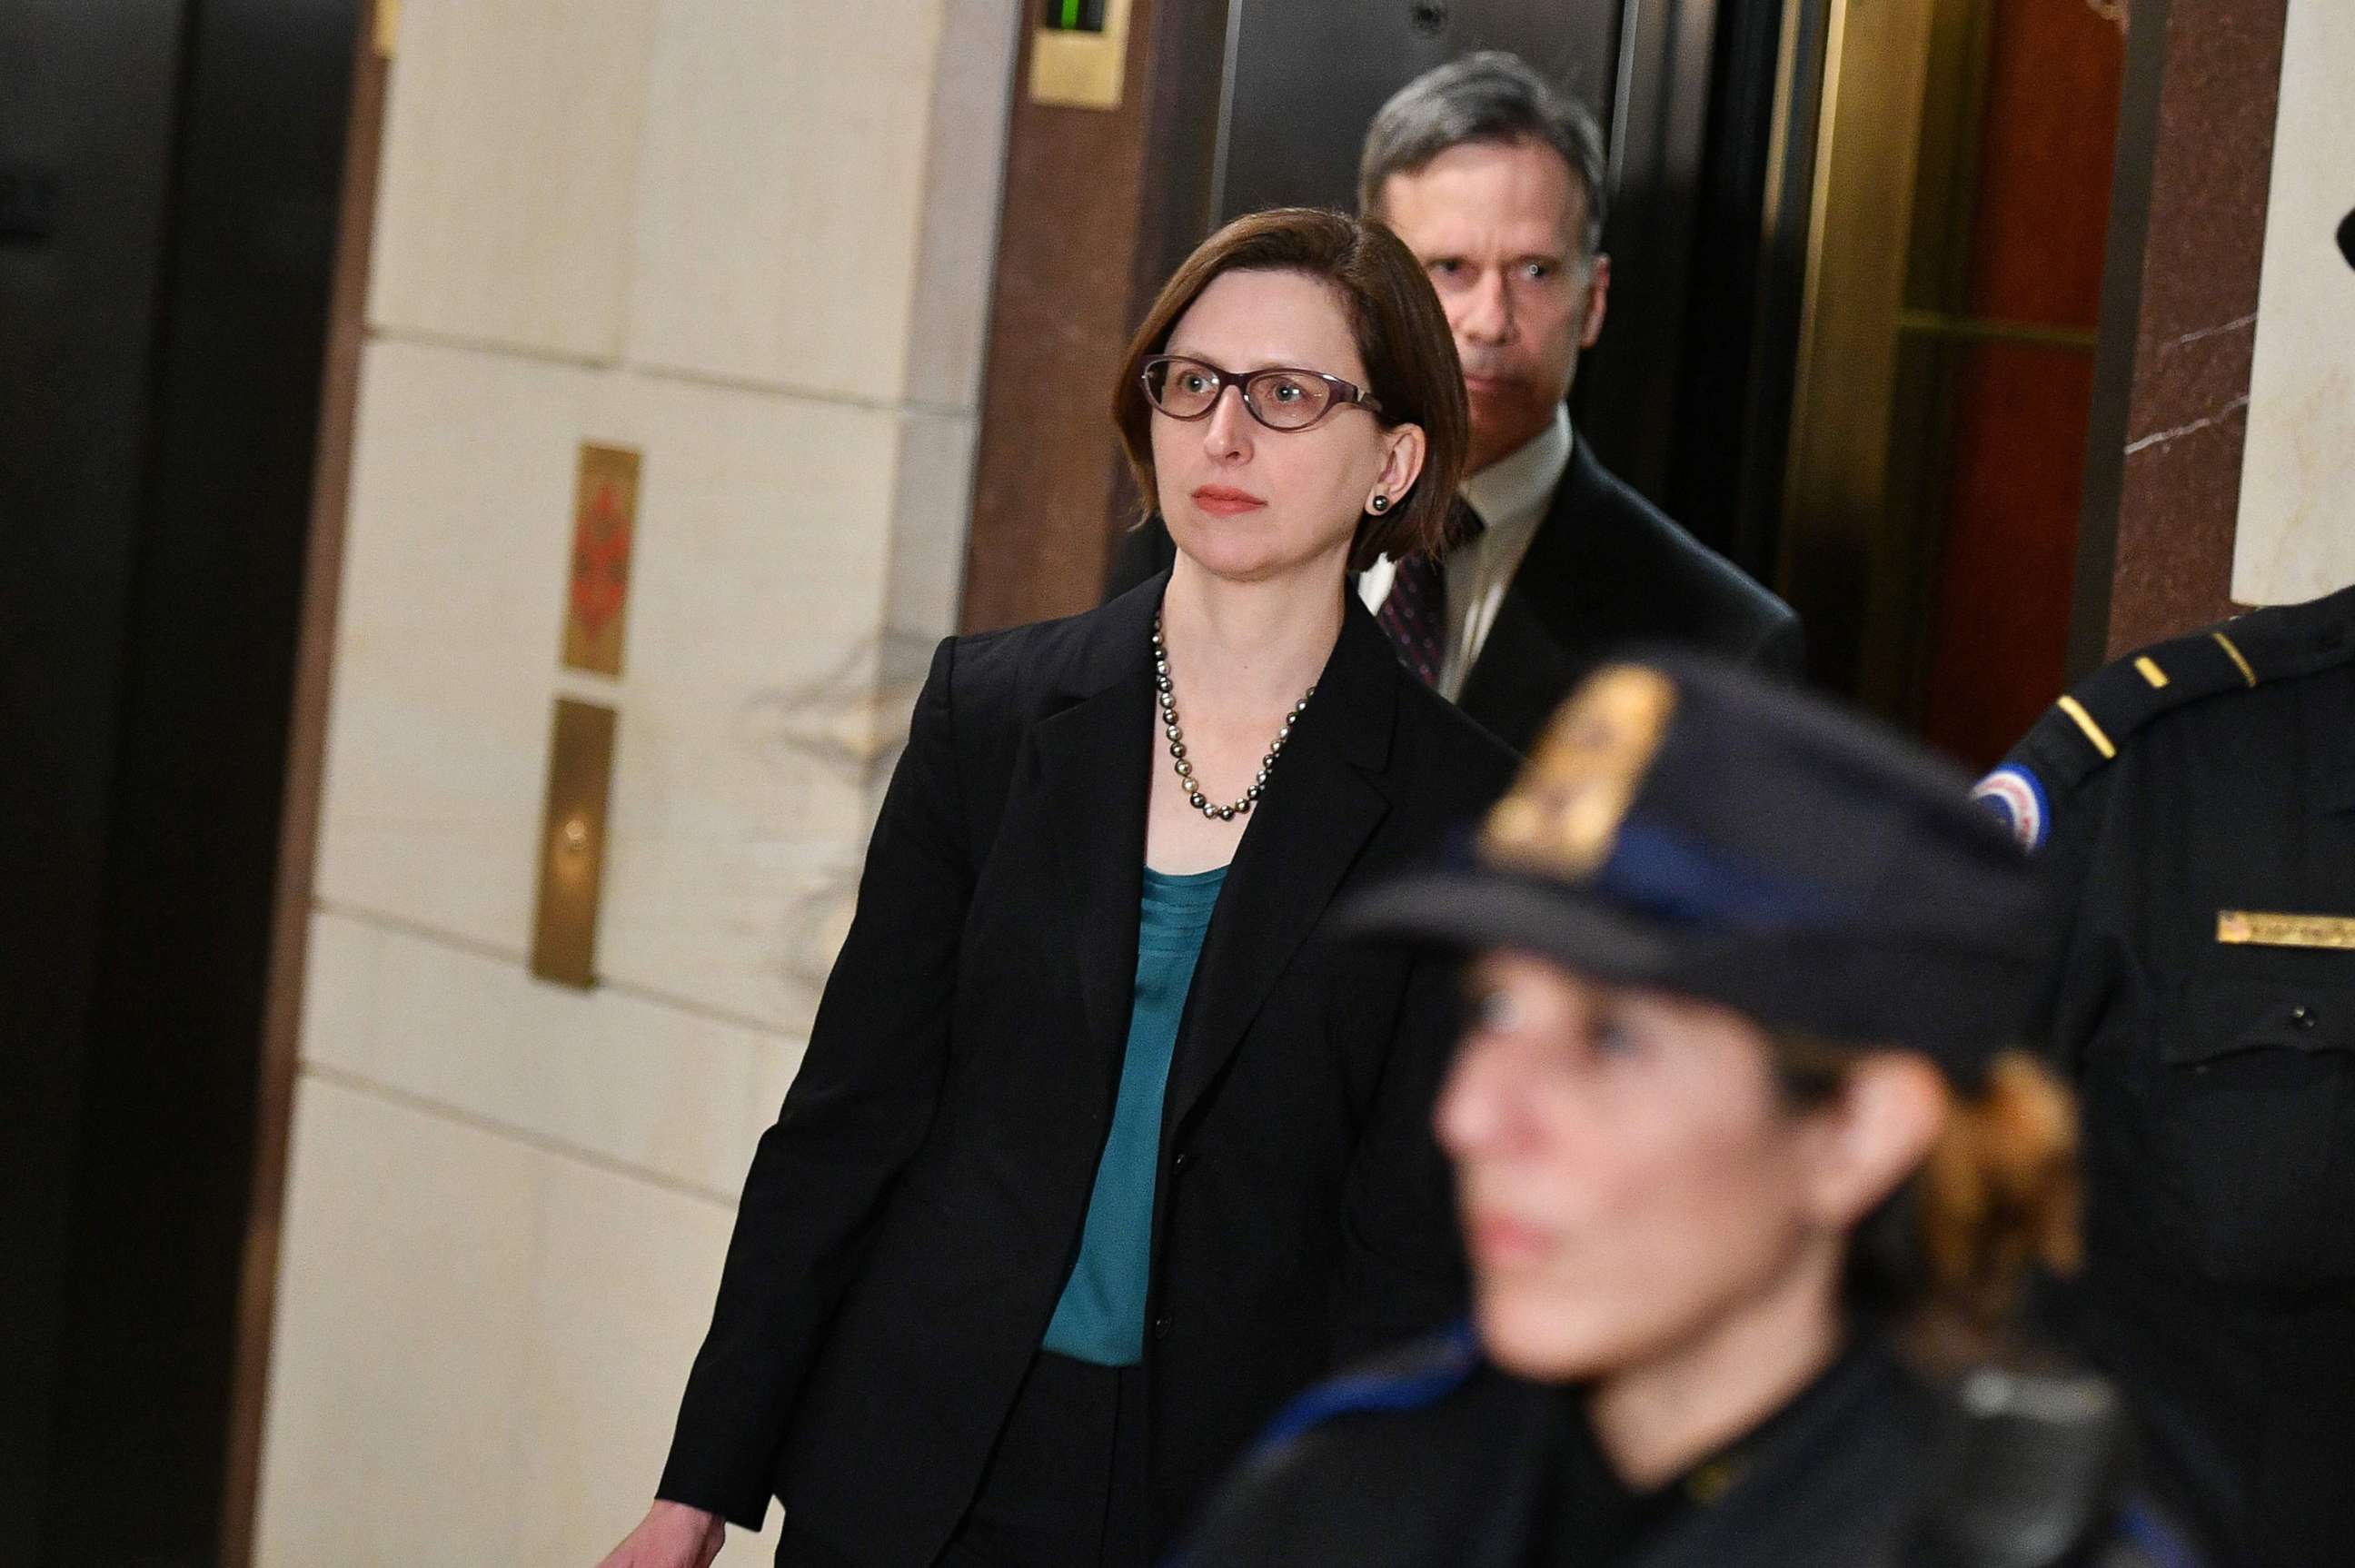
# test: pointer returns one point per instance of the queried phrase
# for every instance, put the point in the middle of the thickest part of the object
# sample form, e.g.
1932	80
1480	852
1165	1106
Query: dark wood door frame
1100	207
306	751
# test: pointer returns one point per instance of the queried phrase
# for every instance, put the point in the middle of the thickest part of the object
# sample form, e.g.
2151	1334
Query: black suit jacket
909	1222
1605	568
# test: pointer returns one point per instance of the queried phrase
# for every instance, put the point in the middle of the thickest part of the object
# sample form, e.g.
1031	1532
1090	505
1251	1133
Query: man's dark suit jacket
1606	567
908	1224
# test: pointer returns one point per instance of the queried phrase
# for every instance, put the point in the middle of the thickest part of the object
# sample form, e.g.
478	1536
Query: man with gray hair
1500	185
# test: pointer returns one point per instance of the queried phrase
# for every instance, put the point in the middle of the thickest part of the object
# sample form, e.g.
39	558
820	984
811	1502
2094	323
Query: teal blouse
1100	1316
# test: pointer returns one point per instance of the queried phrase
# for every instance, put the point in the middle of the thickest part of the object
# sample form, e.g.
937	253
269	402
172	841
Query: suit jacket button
1161	1325
1184	1158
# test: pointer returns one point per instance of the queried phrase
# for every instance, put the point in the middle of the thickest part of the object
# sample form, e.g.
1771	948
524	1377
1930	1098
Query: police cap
1694	827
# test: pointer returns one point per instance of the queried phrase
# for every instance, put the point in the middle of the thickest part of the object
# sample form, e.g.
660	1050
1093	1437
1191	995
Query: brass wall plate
1081	71
572	843
604	526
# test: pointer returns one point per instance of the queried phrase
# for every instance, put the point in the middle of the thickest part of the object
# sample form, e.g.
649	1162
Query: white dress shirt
1512	496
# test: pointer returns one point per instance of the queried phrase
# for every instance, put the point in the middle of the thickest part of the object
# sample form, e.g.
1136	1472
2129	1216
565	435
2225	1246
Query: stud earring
1379	503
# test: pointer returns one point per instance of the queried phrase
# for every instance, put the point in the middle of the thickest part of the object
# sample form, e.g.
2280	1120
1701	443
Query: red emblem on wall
604	528
601	560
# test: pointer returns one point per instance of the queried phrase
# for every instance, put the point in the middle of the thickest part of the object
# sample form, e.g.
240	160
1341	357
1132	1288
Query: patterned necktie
1415	612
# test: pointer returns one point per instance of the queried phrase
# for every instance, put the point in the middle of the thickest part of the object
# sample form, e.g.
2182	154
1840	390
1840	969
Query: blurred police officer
2197	801
1749	1183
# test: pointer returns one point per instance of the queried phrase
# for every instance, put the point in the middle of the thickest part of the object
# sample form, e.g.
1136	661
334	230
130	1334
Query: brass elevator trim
572	843
1989	329
1844	559
1891	333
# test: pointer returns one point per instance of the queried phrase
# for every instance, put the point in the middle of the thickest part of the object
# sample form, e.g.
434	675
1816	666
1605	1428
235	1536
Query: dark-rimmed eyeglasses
1281	397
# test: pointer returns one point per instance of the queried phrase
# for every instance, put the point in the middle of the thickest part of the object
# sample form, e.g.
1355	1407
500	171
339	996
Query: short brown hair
1401	332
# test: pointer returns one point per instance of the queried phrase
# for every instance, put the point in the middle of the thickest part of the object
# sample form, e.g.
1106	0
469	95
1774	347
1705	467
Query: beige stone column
747	239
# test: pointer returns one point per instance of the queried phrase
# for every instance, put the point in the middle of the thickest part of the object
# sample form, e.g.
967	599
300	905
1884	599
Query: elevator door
169	172
1306	77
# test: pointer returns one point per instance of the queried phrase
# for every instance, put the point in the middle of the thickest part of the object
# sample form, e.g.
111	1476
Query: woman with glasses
1105	1144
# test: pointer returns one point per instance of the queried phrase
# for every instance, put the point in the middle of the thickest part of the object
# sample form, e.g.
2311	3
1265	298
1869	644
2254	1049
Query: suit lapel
1533	648
1094	758
1520	674
1320	807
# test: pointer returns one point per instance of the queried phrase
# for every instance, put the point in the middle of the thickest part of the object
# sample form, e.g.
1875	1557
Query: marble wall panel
963	187
778	197
624	1291
2197	129
480	1345
749	718
749	238
749	714
404	1313
675	1096
933	496
447	634
509	172
2297	534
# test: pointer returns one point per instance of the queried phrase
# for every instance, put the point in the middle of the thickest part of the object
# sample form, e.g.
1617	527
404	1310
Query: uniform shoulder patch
2015	798
1417	1375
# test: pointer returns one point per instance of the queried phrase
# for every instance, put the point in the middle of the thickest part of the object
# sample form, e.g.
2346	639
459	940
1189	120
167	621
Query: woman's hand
672	1535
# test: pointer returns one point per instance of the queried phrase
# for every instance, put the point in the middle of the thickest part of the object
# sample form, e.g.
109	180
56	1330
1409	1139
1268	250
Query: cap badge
1563	813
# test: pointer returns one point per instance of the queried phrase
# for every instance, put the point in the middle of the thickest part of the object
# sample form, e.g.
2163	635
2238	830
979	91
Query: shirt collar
1521	481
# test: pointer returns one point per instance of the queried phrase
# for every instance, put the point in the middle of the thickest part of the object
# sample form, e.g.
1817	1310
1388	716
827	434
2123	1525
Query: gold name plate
2255	929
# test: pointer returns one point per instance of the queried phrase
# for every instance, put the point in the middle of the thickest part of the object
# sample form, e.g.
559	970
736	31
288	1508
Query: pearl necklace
1177	737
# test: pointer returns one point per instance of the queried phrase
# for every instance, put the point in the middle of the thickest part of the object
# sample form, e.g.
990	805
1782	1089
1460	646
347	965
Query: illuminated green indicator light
1075	15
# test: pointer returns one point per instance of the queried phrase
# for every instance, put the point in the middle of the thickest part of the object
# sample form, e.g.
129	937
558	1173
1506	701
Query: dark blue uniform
2197	802
1439	1460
